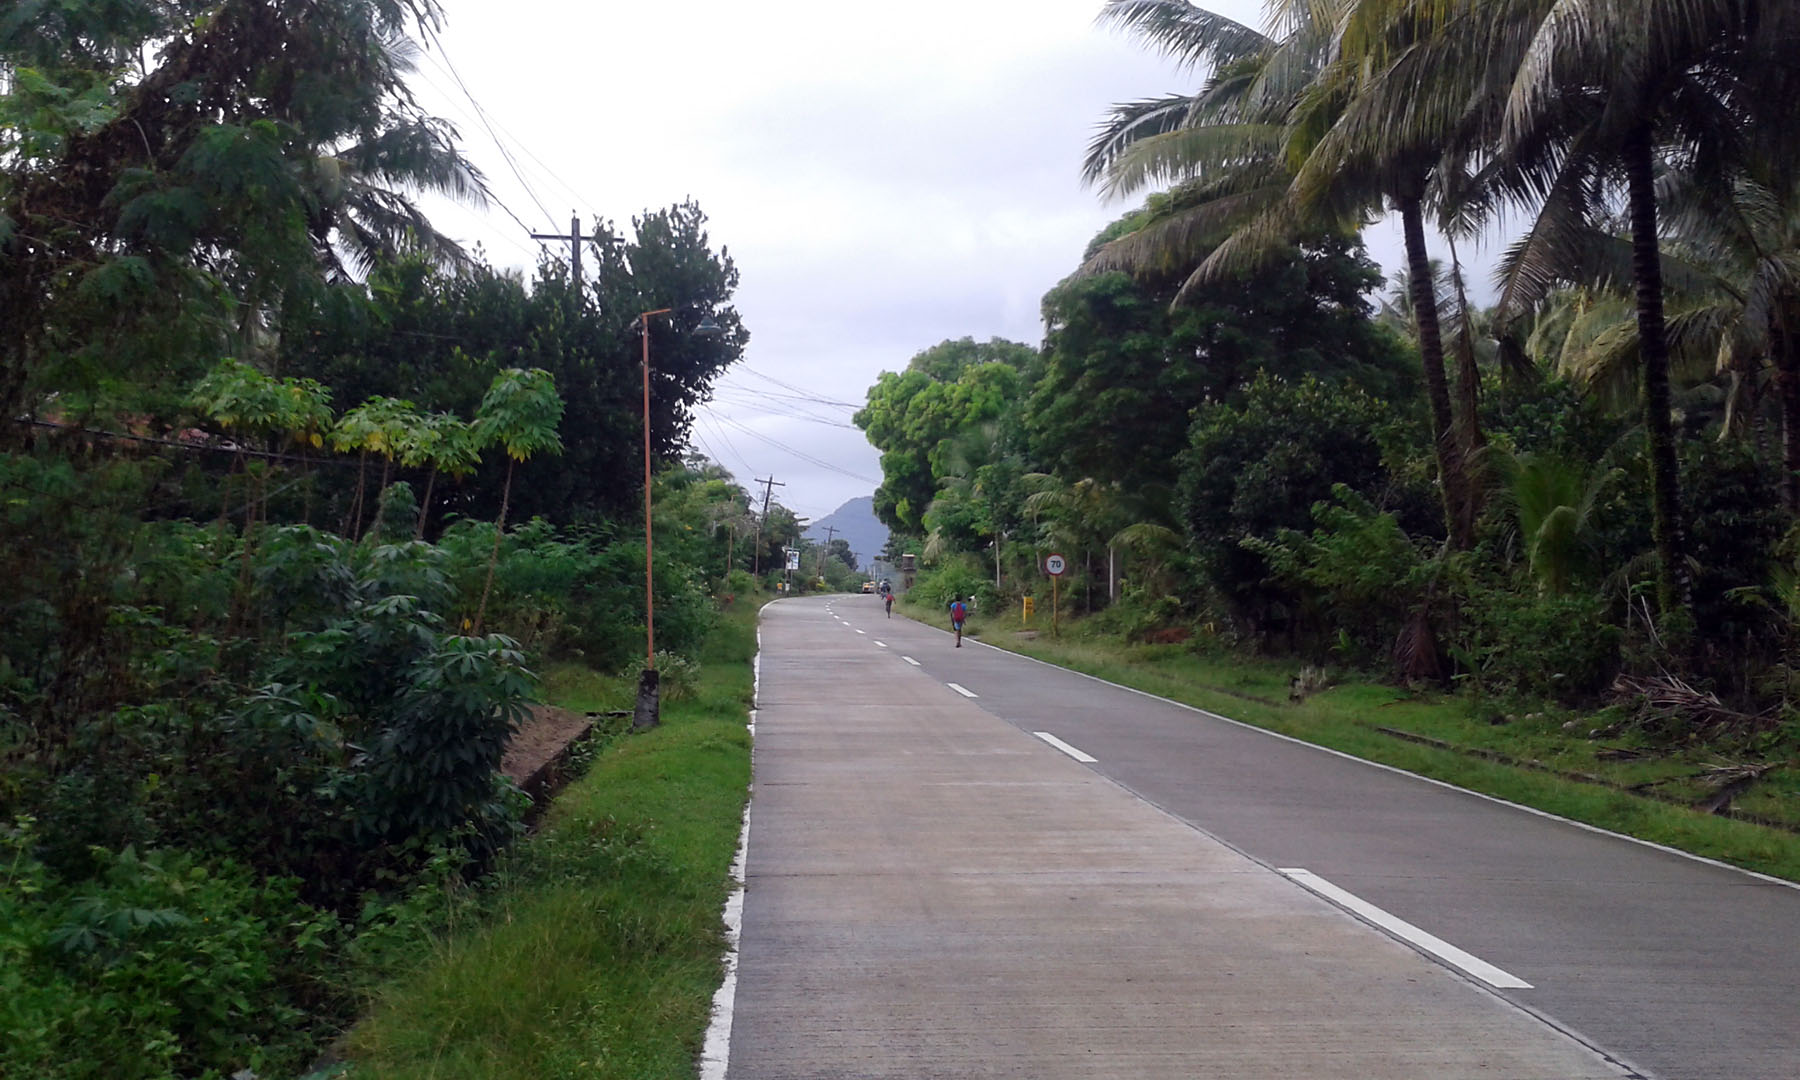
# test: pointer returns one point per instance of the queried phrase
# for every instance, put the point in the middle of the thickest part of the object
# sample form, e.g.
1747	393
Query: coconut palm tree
1553	501
1305	113
1609	94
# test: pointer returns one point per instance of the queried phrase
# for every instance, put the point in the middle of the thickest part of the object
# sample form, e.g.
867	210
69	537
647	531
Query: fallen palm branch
1666	706
1727	781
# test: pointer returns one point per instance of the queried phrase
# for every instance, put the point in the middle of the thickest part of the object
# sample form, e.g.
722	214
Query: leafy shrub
960	576
160	965
1366	574
577	593
678	677
1558	647
1256	467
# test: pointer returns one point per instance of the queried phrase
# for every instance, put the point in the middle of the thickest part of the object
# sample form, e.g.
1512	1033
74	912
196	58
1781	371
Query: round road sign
1054	565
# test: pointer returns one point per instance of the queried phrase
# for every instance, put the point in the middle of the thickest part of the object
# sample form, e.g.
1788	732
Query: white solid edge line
715	1052
910	660
963	690
1405	931
1085	759
1758	875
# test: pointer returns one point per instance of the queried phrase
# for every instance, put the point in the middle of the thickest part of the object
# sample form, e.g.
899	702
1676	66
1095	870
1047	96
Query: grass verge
595	949
1349	717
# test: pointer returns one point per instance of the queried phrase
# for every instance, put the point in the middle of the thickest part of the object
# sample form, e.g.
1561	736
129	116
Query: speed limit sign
1054	565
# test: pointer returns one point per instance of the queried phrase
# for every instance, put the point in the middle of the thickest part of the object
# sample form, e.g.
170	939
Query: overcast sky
885	176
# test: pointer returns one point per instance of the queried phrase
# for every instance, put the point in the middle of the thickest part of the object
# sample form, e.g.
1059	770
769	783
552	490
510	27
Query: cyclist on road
958	614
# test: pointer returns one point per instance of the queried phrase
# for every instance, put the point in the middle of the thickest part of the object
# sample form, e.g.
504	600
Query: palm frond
1188	152
1129	122
1189	35
1182	238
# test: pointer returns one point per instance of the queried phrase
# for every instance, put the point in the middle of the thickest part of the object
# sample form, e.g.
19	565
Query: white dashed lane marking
1085	759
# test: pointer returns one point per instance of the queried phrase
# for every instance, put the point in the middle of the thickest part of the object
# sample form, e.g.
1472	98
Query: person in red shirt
958	613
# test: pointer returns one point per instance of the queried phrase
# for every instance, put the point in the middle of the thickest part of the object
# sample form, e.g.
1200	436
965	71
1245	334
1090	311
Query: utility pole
575	239
769	486
830	531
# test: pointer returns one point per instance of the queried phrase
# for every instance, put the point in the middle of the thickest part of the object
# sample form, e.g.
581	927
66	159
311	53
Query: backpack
958	612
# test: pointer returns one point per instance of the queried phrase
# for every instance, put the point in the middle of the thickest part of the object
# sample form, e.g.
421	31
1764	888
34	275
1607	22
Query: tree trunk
1468	384
494	558
387	466
1672	579
1451	477
425	504
1787	390
353	524
306	486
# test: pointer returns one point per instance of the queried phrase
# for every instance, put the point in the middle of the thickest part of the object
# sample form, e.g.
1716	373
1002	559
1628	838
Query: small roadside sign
1054	565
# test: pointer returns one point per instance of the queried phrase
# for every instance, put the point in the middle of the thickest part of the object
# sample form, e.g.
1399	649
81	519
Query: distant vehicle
868	586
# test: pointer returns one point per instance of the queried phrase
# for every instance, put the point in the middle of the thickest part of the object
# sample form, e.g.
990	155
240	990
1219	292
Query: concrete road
1686	970
935	892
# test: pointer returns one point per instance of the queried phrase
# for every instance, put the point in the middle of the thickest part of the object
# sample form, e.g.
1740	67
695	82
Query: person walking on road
887	599
958	613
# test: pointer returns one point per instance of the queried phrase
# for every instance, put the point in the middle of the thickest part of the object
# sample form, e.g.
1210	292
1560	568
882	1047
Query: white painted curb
715	1054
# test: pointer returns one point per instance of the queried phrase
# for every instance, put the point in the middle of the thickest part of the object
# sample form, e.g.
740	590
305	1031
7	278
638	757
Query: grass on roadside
597	951
1347	717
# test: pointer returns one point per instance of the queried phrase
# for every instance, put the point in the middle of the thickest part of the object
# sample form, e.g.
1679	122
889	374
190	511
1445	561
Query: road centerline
1405	931
963	690
1078	755
910	660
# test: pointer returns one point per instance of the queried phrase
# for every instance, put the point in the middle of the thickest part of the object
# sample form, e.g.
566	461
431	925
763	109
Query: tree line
297	497
1232	434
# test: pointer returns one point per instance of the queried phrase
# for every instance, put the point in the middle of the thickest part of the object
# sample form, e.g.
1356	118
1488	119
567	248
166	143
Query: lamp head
708	328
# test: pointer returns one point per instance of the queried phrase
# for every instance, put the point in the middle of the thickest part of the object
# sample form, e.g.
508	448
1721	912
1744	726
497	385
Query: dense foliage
1231	443
295	498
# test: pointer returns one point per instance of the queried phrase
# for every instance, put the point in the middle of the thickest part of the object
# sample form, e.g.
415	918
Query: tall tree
1274	101
172	175
1607	90
914	417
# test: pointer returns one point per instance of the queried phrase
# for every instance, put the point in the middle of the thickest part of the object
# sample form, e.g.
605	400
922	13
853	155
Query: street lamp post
647	713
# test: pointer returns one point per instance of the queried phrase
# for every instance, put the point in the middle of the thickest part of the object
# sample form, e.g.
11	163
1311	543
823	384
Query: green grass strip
599	950
1345	718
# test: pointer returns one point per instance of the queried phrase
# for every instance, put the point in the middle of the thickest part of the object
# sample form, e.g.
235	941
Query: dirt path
540	741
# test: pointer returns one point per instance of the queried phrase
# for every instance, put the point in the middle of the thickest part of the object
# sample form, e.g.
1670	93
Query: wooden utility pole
825	553
575	239
769	485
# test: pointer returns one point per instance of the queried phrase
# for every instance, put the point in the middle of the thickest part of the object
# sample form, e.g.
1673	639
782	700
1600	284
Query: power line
719	430
481	115
526	150
802	391
768	409
801	454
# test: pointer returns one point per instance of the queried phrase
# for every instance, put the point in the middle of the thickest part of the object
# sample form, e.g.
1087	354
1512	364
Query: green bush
160	965
1363	575
1557	647
1257	466
677	675
961	576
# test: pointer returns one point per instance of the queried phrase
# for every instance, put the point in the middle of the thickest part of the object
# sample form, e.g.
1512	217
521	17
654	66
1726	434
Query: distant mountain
857	523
